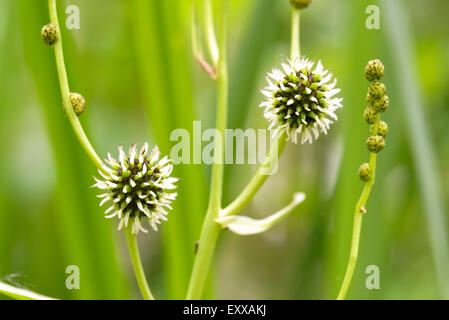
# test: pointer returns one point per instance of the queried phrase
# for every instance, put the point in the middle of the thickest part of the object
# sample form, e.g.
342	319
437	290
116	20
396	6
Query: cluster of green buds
378	103
50	35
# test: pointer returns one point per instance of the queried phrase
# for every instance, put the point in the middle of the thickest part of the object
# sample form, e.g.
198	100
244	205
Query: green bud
300	4
374	70
365	172
377	90
369	115
78	103
382	104
50	34
382	130
375	144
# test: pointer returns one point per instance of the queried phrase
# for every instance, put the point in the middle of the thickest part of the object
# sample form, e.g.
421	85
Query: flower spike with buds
379	103
301	100
138	185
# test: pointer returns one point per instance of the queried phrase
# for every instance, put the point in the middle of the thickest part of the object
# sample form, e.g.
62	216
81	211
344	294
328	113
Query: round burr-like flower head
375	144
50	34
78	103
374	70
300	100
376	90
138	186
365	172
381	104
369	115
382	130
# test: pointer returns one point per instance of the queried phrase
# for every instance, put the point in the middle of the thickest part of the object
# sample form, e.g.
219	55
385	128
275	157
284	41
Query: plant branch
245	197
295	40
211	230
133	249
65	92
359	211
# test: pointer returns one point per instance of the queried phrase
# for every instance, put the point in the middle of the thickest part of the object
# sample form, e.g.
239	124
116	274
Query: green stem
295	40
133	249
21	294
258	180
65	92
359	211
211	230
214	51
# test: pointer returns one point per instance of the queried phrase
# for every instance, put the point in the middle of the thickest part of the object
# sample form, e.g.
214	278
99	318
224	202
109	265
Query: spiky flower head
300	100
138	185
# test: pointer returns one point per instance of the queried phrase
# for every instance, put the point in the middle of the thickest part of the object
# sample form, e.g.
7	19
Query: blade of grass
159	35
401	46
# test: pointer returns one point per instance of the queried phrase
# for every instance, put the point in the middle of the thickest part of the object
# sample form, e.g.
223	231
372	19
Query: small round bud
375	144
50	34
365	172
369	115
377	90
300	4
374	70
382	104
382	130
78	103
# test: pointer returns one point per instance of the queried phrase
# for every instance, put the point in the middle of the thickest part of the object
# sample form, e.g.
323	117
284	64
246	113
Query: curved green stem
258	180
65	92
295	41
359	211
133	249
211	230
21	294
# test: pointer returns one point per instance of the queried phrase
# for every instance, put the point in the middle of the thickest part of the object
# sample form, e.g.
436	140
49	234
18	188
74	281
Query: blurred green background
132	61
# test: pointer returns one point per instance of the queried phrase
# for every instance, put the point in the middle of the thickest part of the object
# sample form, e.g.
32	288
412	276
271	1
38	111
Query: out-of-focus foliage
132	61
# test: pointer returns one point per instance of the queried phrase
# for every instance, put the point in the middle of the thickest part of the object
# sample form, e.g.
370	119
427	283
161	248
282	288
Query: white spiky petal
138	187
300	100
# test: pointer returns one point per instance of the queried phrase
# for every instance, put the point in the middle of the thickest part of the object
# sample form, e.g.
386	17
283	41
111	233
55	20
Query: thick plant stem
21	294
65	92
211	230
258	180
133	249
295	41
359	211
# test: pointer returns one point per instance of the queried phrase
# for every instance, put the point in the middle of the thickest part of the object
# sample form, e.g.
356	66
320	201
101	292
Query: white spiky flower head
300	100
138	185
